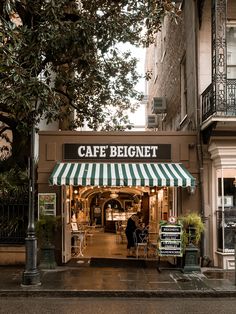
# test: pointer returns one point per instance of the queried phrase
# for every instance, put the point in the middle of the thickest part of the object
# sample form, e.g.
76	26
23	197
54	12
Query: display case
113	216
118	216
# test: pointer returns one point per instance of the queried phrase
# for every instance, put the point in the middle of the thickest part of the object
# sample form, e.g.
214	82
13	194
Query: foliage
13	226
60	56
14	185
45	229
193	227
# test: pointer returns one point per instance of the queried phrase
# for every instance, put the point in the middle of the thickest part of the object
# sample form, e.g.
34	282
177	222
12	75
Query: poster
46	204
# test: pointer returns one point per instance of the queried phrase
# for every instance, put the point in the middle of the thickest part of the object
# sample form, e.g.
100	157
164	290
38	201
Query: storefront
222	197
101	179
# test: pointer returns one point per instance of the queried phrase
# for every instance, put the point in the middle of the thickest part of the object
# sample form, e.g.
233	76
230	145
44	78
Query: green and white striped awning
121	174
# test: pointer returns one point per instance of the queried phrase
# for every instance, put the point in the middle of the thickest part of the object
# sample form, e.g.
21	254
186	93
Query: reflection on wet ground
219	274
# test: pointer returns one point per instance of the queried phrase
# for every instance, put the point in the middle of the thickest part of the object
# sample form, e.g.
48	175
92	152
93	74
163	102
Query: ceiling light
114	195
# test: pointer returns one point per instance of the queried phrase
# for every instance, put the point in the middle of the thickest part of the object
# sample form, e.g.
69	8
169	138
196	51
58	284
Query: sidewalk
85	280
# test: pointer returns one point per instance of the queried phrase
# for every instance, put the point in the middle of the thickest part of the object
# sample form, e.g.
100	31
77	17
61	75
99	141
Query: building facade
101	178
193	87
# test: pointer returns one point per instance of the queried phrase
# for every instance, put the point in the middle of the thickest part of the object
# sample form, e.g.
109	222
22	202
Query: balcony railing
209	106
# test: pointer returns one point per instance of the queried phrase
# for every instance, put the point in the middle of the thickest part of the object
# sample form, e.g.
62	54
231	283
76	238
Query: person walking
133	223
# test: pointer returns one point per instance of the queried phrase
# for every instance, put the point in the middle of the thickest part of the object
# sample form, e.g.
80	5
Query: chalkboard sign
170	243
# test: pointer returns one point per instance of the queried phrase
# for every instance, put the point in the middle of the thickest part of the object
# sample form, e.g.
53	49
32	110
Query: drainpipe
199	138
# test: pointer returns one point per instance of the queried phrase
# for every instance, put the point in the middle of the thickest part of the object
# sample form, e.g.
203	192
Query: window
226	213
231	50
183	87
155	61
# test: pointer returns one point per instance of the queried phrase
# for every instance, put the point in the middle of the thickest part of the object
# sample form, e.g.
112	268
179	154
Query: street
49	305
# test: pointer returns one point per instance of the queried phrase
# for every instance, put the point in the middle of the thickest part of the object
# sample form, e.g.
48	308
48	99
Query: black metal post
31	275
235	257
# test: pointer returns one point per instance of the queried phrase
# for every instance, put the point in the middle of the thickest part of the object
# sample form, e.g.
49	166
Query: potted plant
46	227
193	227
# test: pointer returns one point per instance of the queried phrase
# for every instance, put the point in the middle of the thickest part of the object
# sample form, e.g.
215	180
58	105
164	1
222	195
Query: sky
138	118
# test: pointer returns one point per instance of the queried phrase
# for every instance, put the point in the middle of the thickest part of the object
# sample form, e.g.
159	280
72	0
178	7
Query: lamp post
31	275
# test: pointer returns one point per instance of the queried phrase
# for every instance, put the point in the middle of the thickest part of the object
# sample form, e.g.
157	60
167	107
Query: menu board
170	243
47	204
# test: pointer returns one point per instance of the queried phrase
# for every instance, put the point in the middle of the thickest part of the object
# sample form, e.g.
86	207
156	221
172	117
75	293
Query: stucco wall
183	149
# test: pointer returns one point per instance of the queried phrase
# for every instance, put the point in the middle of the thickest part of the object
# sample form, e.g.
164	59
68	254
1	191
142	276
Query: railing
209	106
13	223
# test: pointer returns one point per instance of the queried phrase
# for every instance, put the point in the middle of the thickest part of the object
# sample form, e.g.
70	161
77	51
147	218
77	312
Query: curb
119	294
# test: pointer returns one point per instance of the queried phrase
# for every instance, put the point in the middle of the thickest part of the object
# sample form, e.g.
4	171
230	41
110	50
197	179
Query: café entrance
123	190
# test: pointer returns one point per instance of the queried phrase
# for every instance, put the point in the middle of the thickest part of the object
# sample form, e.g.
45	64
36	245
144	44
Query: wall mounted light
191	190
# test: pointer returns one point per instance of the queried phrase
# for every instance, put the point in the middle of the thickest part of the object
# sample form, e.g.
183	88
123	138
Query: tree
61	56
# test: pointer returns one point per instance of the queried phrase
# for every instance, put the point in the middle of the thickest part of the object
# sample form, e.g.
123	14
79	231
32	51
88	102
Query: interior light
114	195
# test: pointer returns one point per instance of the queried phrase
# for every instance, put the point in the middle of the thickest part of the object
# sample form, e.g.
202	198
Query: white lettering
139	152
131	151
154	150
89	152
147	151
103	151
113	151
96	151
125	151
81	151
120	150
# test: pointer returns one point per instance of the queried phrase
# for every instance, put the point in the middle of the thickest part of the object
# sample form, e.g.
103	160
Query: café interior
99	217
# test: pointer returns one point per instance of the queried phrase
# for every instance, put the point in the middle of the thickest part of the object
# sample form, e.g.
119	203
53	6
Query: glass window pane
231	51
226	214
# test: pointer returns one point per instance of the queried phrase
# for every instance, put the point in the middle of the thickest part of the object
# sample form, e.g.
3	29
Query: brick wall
164	59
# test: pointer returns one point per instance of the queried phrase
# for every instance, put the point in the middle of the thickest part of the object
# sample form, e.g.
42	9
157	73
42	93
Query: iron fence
13	223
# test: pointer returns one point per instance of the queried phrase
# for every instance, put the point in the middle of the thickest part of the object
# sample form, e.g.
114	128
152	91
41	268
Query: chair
120	232
141	241
152	244
79	239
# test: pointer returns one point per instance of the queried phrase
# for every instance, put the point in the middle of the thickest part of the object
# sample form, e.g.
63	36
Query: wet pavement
87	280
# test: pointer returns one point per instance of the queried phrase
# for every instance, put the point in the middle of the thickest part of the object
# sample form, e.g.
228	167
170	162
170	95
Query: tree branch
8	121
4	129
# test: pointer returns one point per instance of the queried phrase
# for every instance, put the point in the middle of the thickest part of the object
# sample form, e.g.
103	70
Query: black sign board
169	236
117	152
170	240
171	244
177	252
171	228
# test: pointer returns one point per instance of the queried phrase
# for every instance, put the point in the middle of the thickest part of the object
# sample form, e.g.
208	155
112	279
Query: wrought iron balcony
220	108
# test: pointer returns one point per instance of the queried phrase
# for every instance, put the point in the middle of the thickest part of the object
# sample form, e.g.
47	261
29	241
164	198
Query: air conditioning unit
158	105
152	121
228	201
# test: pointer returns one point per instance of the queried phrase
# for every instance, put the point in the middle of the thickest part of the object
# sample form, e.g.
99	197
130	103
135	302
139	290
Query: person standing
133	223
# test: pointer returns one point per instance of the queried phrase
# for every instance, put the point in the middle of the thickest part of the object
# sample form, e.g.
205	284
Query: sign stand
170	243
159	269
